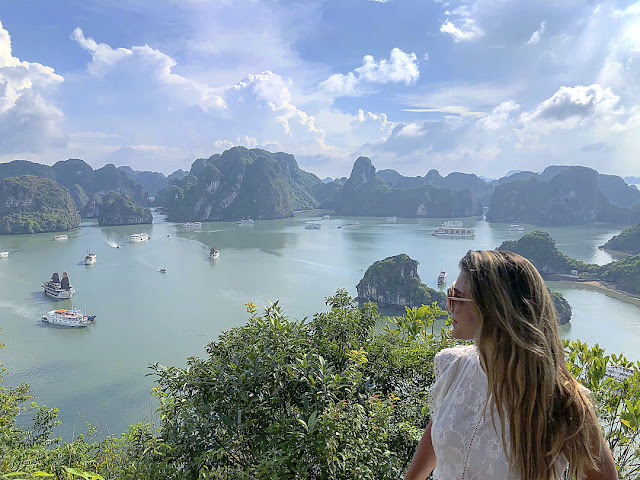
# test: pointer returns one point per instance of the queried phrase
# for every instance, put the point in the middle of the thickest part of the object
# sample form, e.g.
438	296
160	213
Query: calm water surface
144	316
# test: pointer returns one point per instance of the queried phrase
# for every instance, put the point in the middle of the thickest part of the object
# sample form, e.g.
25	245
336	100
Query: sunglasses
452	298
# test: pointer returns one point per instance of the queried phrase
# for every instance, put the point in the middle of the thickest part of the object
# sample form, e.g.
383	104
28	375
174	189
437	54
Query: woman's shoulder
452	358
457	352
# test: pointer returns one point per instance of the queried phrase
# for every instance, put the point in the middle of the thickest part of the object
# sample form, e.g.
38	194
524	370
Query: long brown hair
547	413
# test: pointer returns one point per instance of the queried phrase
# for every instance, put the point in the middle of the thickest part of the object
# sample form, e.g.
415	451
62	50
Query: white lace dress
466	444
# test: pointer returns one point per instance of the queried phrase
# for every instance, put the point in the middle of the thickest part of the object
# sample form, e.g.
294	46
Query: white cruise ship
138	237
454	232
312	226
246	221
68	318
57	238
90	259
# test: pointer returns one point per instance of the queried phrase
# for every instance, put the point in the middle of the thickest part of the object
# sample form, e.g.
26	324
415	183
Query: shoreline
556	277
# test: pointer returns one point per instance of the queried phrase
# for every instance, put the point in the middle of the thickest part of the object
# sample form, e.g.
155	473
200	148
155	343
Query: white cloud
28	122
448	109
400	68
570	105
146	62
500	116
467	31
537	35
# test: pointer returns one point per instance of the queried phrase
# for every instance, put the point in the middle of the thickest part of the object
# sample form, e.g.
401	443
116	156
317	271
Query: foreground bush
332	397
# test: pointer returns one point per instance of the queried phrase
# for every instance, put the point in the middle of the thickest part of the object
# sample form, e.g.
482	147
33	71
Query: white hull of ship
75	320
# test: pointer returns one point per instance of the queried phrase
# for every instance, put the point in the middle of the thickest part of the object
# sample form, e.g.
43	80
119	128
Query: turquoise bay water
144	316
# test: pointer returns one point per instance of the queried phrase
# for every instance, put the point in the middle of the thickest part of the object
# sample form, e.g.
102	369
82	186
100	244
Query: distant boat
168	235
453	223
312	226
392	219
61	237
514	227
189	225
454	232
138	237
90	259
4	254
163	270
246	221
325	217
68	318
353	222
214	253
442	278
197	224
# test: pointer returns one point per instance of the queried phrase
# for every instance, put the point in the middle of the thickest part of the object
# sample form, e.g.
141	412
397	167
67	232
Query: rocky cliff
394	281
364	194
240	183
30	204
563	309
122	210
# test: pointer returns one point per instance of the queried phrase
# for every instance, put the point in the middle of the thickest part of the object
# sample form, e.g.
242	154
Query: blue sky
482	86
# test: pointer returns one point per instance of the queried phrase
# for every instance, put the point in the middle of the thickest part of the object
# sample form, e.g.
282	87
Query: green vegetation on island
541	250
627	241
122	210
394	281
30	204
334	397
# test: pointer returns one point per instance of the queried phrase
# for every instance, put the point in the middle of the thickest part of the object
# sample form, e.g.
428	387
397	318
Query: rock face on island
122	210
394	281
572	196
364	194
627	241
30	204
240	183
563	309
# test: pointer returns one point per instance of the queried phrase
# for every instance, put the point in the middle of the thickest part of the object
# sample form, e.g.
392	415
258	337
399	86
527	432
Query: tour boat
246	221
453	223
392	219
55	290
189	225
454	232
353	222
312	226
90	259
61	237
4	254
197	224
326	217
138	237
213	253
515	228
442	278
68	318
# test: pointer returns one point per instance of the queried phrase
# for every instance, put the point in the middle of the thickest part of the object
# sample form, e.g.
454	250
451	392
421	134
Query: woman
507	407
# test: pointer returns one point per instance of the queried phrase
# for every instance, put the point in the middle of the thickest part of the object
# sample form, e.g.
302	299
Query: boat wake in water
111	243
